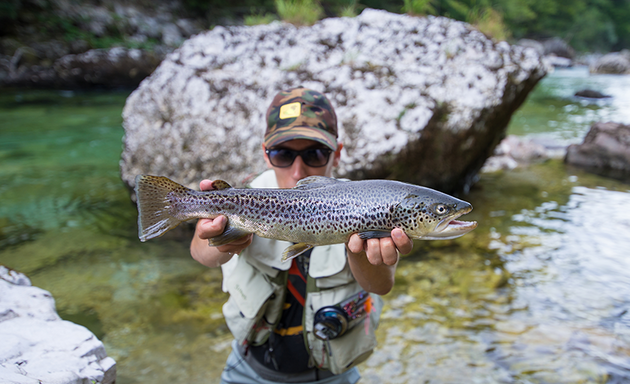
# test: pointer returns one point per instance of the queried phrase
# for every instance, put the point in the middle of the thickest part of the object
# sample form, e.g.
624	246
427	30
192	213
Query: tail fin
154	216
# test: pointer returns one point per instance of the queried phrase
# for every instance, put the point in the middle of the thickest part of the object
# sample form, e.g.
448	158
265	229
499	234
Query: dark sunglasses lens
281	157
316	157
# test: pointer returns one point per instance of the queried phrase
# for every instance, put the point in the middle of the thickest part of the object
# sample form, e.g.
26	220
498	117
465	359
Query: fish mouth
451	228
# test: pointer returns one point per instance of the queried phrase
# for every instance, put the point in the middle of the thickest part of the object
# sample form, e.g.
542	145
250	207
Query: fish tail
154	214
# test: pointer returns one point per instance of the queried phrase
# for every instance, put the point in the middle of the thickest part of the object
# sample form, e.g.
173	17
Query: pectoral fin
295	250
229	235
374	234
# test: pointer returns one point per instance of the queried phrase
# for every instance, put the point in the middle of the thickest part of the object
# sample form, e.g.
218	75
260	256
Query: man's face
289	176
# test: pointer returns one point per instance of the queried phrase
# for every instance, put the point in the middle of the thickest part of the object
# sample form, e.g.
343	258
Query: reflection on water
538	293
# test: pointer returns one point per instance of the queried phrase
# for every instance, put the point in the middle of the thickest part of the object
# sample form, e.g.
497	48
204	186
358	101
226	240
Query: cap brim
283	135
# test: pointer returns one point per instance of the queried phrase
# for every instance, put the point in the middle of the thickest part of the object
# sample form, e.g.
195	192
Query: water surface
538	293
552	111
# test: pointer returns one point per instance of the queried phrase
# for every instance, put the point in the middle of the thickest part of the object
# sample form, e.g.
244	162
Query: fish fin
295	250
374	234
154	215
220	184
315	182
439	238
229	235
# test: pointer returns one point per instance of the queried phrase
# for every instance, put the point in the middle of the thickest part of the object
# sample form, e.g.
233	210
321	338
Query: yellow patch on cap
288	111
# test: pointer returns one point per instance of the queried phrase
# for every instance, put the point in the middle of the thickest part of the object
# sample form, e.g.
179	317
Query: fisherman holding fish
266	310
304	256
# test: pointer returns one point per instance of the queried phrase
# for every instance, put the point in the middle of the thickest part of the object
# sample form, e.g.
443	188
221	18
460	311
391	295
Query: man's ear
337	155
265	156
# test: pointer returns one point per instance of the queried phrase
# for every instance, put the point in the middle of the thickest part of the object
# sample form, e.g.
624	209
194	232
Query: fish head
431	215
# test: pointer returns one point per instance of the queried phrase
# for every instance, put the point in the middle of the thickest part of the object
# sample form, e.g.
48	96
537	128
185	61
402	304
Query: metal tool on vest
333	321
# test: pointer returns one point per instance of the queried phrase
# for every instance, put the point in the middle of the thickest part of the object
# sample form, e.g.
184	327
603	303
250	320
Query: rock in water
590	94
615	63
36	346
422	100
605	151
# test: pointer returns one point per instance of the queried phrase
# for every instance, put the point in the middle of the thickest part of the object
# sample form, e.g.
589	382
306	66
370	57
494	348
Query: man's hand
373	261
384	250
209	228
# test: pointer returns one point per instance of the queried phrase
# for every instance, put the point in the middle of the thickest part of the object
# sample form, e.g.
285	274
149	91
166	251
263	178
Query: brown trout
317	211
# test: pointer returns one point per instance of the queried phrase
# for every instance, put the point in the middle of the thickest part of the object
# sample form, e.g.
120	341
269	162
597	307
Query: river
538	293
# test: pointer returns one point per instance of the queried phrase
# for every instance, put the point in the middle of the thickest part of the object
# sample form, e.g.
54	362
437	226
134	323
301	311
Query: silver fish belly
318	211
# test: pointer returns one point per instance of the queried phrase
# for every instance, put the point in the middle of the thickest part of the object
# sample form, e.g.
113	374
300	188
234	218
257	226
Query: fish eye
441	209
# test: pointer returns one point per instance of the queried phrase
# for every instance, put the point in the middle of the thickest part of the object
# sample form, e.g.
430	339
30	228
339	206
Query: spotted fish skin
318	211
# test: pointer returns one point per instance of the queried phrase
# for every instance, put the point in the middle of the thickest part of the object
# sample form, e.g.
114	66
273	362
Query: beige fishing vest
256	281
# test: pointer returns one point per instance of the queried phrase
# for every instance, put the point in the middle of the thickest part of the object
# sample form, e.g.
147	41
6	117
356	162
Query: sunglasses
312	157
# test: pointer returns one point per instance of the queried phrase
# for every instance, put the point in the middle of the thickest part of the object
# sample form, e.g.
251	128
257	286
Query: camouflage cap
301	113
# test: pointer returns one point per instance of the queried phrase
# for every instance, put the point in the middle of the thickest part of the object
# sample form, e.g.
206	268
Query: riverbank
83	45
113	44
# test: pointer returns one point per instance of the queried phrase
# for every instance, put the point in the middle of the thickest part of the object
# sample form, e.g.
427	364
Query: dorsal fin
220	184
315	182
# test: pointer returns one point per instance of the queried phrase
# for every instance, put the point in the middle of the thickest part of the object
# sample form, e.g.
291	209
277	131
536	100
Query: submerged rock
591	94
423	100
38	347
605	151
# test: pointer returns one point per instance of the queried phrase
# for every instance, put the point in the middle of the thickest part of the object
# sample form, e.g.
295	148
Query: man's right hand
208	228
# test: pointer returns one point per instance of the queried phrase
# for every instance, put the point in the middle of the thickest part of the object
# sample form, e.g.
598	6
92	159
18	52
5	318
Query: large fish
317	211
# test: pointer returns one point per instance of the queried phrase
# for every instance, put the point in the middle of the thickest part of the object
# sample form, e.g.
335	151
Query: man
285	316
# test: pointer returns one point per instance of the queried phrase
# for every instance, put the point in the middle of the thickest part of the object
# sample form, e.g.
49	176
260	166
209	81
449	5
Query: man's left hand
384	250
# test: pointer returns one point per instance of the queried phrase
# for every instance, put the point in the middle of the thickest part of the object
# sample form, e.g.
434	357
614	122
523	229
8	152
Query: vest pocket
355	345
250	295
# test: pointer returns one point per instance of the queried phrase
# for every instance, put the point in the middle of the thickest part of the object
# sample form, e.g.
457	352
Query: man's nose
299	169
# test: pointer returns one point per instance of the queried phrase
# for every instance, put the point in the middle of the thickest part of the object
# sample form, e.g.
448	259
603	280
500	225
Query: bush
418	7
299	12
489	22
258	18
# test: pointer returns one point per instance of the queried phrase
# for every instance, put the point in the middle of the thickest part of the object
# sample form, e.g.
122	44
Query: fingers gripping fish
317	211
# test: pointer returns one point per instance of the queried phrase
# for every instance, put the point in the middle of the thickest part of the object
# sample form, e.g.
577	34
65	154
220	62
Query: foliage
218	9
258	18
599	25
587	25
9	9
490	22
418	7
299	12
349	10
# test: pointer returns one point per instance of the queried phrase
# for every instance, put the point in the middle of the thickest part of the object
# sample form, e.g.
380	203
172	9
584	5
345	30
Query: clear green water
552	112
538	293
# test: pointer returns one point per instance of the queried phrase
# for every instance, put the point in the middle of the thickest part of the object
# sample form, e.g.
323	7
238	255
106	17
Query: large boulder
36	346
558	47
605	151
423	100
615	63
